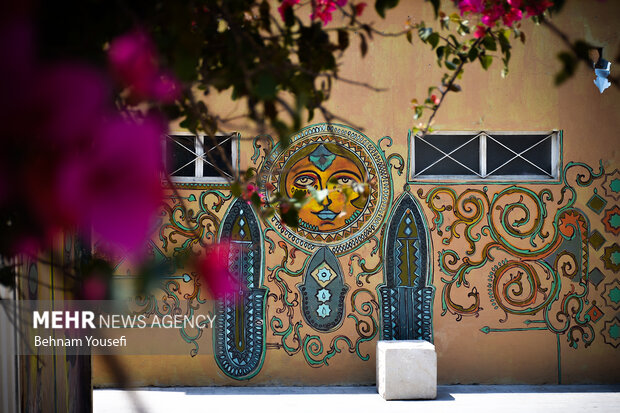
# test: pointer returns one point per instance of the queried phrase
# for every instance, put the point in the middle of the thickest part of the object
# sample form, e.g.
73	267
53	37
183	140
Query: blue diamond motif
324	274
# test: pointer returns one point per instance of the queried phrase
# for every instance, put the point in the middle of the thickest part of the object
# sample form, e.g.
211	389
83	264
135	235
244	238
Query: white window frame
487	176
200	155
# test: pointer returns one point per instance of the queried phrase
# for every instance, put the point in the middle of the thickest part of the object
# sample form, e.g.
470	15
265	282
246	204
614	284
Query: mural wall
522	274
514	281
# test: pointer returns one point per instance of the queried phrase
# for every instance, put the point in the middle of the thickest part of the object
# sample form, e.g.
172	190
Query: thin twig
447	88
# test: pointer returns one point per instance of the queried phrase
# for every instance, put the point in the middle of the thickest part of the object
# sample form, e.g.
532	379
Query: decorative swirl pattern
541	251
194	229
313	349
469	209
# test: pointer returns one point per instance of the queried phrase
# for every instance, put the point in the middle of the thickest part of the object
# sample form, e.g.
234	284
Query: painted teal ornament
239	329
406	296
322	158
323	291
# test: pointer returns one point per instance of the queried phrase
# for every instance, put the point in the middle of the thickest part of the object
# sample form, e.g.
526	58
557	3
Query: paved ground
457	399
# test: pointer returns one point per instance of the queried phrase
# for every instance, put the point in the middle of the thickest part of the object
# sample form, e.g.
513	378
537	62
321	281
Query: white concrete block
406	369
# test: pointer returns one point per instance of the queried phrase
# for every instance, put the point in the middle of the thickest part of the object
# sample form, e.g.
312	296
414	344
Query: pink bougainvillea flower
79	164
250	190
359	8
123	185
70	100
473	6
134	63
492	14
480	31
285	5
323	9
435	99
513	15
166	88
515	3
214	271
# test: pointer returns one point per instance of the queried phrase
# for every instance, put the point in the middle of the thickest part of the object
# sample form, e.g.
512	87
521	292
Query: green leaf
433	39
485	61
463	29
265	88
454	88
249	173
382	5
454	17
190	122
450	65
418	112
290	215
504	43
256	200
473	54
440	52
235	189
489	43
409	37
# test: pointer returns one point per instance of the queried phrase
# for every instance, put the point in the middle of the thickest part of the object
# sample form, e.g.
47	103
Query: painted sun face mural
326	167
337	162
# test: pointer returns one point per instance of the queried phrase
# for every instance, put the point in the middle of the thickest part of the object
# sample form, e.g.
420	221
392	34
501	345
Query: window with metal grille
493	156
200	158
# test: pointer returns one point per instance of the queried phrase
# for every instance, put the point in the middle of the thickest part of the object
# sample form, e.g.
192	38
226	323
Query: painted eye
345	180
304	180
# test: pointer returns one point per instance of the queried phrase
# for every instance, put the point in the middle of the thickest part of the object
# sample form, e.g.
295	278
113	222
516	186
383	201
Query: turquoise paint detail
615	257
614	331
615	185
321	157
614	295
487	329
615	220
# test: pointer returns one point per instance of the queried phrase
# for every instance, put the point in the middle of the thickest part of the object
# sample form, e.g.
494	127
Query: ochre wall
470	346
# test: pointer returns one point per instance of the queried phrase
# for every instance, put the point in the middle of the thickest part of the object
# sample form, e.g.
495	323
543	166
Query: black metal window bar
486	155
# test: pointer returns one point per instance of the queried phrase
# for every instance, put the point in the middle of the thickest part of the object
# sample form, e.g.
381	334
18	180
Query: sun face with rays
331	169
